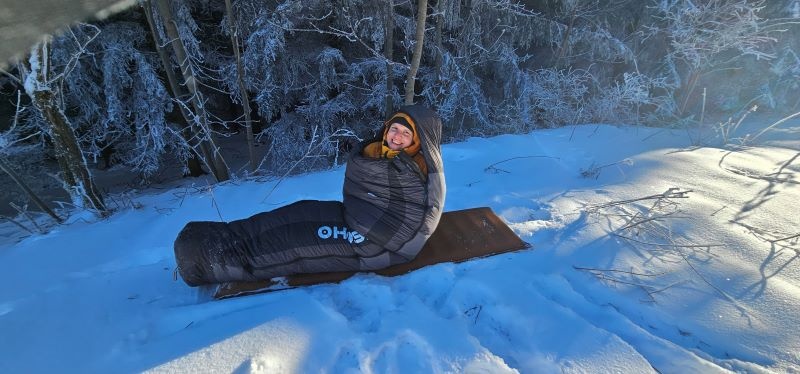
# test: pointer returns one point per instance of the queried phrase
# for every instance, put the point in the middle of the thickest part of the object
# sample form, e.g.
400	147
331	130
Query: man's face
399	137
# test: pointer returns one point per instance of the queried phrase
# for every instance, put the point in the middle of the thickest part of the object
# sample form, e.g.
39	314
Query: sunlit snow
673	258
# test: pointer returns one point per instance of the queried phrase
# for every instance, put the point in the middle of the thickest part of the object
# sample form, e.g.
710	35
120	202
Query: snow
710	293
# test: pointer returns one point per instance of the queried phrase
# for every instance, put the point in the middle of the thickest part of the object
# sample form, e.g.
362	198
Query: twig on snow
616	271
593	171
214	202
667	245
495	169
477	309
786	238
671	193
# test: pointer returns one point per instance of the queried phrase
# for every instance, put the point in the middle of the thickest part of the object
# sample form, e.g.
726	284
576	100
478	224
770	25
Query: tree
211	153
704	36
117	100
422	11
580	31
388	52
7	142
469	64
192	159
243	96
43	85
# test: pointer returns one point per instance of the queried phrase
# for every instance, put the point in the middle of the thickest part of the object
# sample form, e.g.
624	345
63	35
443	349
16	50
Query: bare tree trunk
440	4
562	52
68	151
388	52
193	163
251	143
210	151
32	195
422	11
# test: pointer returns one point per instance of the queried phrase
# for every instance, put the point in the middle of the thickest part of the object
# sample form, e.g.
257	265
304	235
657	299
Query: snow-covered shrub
623	101
708	36
302	148
786	78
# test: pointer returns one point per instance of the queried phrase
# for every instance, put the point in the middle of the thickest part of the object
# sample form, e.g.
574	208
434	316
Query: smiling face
399	137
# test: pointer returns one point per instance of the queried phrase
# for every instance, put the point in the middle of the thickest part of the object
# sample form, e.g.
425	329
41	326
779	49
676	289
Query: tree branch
492	166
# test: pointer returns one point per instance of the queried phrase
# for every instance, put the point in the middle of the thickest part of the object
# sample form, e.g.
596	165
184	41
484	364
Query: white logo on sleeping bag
352	236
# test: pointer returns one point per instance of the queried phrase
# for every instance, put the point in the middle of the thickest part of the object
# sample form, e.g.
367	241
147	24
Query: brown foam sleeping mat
461	235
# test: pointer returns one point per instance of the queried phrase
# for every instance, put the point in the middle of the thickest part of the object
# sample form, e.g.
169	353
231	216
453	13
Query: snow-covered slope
648	255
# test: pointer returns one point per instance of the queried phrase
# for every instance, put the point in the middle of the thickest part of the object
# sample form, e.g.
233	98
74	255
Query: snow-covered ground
670	259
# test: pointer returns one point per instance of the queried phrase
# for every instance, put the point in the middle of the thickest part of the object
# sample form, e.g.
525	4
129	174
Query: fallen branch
655	218
671	193
667	245
668	287
786	238
649	290
718	210
765	235
163	210
214	202
496	170
616	271
706	281
593	171
477	309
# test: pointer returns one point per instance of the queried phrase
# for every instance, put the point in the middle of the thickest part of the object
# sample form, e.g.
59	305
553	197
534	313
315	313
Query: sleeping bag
388	211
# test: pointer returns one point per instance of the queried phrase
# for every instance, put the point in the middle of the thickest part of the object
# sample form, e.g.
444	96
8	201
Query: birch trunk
388	52
422	11
440	6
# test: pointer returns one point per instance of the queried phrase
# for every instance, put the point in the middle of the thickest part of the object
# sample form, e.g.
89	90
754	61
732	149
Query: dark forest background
233	89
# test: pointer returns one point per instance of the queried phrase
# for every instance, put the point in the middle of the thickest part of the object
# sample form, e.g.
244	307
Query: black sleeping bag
388	212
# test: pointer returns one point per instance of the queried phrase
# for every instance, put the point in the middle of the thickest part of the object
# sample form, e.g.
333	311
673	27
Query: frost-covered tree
704	36
13	141
499	66
416	56
580	30
314	72
240	93
117	99
478	47
784	87
388	54
191	156
43	83
178	29
263	31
